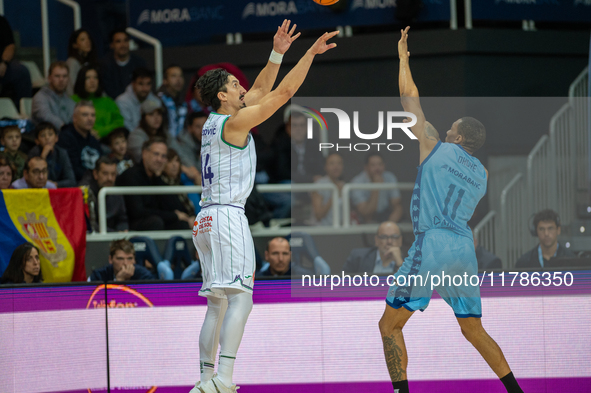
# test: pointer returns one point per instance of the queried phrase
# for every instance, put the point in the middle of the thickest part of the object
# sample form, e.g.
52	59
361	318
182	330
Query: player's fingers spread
292	29
332	34
295	37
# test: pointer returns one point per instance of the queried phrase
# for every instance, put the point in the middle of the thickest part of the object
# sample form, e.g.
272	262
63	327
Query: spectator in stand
11	140
78	140
122	266
322	200
118	145
172	176
290	151
88	87
278	254
189	145
152	212
139	90
193	98
24	266
7	172
14	76
104	175
375	205
59	168
52	103
34	175
170	94
385	257
151	125
117	67
546	225
81	52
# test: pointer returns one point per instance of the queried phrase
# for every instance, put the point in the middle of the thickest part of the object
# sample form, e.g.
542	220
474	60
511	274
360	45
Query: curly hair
210	84
473	132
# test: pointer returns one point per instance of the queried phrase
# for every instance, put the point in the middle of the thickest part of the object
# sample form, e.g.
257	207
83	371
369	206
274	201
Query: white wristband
275	57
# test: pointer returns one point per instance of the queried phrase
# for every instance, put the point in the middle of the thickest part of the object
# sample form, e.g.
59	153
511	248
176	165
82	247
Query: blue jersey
449	185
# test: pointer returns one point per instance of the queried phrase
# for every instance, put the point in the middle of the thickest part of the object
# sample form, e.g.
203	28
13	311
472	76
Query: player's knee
388	326
471	330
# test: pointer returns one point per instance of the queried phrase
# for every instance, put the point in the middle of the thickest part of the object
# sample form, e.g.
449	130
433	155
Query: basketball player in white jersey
221	233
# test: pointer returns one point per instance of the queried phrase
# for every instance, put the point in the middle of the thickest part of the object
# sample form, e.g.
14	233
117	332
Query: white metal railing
167	190
45	29
157	51
76	8
513	229
45	37
563	164
579	101
468	14
453	15
484	232
541	177
347	188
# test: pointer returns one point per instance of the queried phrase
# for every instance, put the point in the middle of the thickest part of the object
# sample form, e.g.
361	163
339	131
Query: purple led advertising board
55	339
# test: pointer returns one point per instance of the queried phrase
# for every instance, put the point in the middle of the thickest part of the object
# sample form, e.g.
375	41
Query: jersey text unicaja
227	171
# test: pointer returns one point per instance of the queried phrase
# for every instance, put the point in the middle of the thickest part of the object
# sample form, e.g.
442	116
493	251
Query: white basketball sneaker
196	389
214	385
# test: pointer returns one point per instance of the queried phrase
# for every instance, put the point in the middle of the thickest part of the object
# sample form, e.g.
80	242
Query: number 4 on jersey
206	173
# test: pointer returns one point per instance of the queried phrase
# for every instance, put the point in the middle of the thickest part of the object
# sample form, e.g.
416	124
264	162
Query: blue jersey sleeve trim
431	154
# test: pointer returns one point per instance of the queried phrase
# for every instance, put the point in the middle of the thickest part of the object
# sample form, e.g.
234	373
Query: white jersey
228	171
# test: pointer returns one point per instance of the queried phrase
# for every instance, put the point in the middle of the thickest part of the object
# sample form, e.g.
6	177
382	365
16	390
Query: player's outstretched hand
284	37
320	46
403	44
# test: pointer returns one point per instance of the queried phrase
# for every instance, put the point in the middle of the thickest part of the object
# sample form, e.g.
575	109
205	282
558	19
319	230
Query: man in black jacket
104	175
117	66
77	139
547	228
121	265
152	212
385	257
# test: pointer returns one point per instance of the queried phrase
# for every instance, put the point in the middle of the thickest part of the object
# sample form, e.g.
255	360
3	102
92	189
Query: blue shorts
447	255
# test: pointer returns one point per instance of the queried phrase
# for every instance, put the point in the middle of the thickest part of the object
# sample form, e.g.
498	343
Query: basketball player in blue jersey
221	233
450	183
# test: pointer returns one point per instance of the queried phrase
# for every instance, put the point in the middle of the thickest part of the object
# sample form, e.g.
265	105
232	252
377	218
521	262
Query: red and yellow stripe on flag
53	220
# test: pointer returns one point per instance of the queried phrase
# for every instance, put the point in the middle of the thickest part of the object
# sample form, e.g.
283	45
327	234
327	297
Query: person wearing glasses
384	258
34	175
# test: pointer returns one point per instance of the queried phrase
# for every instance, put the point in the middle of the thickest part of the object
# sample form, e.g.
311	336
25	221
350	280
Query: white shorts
226	250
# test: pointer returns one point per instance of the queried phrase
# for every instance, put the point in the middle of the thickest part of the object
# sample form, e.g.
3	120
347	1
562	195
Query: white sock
210	336
239	307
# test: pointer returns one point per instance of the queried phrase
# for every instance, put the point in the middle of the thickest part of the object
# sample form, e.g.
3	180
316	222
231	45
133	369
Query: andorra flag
52	220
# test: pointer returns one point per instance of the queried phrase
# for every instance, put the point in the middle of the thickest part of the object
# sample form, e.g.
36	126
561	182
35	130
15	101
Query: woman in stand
24	266
81	52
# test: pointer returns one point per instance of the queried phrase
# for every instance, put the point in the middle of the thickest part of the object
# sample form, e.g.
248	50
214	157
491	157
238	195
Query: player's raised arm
250	117
266	79
409	95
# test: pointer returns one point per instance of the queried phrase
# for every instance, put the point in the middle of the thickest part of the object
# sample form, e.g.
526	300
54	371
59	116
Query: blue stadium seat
180	263
146	250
